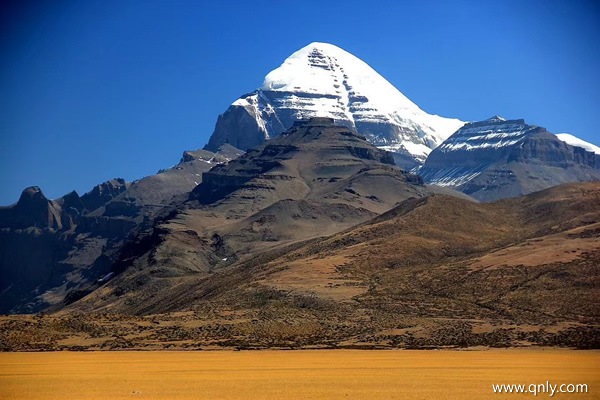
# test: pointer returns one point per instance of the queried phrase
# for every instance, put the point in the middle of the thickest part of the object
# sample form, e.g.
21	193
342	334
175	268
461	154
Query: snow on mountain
322	80
575	141
499	158
470	150
356	91
495	132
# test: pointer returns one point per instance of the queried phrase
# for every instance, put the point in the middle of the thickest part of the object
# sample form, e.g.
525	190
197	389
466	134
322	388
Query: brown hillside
433	272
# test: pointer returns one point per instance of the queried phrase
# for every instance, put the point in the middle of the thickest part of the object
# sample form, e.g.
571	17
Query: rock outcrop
104	192
334	148
32	210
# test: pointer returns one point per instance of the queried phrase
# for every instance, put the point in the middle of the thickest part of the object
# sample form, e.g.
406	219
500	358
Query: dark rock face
72	208
44	244
32	209
103	193
239	127
54	251
496	158
545	148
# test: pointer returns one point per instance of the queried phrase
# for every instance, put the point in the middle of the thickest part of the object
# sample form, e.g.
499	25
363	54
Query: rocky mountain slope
433	272
54	251
315	239
499	158
322	80
317	178
38	237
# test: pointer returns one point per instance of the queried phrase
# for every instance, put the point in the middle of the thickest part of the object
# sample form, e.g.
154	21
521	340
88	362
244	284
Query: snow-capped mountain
322	80
499	158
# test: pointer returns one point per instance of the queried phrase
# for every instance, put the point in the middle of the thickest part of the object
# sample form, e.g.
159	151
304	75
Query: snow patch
498	133
575	141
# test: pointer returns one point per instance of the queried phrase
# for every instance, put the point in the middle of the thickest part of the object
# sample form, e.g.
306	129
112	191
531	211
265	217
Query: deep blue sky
91	90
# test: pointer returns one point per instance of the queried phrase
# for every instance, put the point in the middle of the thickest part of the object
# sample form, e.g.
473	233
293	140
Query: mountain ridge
77	239
433	272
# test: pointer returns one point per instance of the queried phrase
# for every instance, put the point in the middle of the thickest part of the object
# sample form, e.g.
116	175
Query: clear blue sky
91	90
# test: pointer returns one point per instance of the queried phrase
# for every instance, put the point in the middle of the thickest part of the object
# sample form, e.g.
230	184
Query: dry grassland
337	374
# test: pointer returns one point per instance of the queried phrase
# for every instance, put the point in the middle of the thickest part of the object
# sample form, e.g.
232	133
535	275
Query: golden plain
304	374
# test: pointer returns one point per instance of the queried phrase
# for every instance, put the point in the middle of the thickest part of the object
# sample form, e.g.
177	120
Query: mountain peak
32	193
323	80
326	69
324	46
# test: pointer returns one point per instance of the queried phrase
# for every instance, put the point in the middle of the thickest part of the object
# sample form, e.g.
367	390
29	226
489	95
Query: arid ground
317	374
